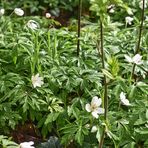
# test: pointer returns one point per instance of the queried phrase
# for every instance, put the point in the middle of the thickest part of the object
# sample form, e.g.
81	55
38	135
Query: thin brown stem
139	36
104	83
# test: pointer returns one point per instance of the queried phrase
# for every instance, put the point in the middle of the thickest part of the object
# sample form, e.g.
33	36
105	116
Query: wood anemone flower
136	59
94	107
123	99
32	24
37	81
19	11
27	145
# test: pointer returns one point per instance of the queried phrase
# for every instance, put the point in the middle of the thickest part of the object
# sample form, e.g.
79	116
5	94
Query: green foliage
6	142
70	82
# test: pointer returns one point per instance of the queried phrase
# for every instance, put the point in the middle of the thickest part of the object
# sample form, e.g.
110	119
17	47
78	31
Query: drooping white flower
123	99
94	129
2	11
94	107
37	81
32	24
27	145
137	59
141	4
128	20
19	11
48	15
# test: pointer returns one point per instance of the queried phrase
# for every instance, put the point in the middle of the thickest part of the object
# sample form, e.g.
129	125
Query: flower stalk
139	36
104	82
79	26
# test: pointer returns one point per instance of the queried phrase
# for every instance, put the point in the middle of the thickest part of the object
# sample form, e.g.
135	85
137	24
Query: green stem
139	37
79	26
105	83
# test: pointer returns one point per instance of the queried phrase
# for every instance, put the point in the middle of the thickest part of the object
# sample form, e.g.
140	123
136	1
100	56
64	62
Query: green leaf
108	74
51	117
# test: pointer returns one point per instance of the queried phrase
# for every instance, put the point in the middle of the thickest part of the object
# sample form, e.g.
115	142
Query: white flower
136	59
32	24
94	107
27	144
2	11
141	4
87	126
123	99
128	20
48	15
37	81
19	11
94	129
111	8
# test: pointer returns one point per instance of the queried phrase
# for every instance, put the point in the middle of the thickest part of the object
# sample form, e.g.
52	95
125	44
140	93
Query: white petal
2	11
88	107
37	81
125	102
101	110
94	129
122	96
48	15
95	101
129	59
95	114
129	20
27	144
137	59
32	24
19	11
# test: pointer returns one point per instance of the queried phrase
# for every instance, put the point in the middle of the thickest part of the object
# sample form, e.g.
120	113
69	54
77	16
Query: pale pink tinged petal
88	107
129	59
95	101
137	59
101	110
95	114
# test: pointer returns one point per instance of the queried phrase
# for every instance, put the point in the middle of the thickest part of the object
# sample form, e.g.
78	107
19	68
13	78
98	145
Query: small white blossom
123	99
19	11
2	11
87	126
37	81
48	15
94	129
137	59
27	145
111	8
32	24
141	4
128	20
94	107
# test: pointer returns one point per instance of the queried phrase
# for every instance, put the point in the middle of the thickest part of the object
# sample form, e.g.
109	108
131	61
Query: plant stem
139	37
105	83
79	26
